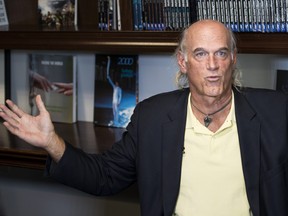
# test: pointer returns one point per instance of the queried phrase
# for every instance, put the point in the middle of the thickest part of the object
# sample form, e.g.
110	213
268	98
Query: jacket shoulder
262	94
165	98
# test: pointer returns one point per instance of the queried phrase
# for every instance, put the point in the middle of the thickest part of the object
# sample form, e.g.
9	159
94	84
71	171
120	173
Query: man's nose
212	62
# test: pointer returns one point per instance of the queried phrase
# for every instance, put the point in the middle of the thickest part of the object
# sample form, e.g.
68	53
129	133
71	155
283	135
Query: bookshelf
24	33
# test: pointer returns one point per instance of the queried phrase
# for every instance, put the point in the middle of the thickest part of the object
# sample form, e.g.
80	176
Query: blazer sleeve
99	174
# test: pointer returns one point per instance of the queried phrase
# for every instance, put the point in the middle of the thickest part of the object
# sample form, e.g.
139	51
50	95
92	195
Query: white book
3	14
54	78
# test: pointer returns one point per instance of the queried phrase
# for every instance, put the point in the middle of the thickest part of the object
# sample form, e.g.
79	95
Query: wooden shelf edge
23	158
130	41
262	43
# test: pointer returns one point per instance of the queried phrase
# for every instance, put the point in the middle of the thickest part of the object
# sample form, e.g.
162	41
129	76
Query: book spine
222	12
135	14
3	14
282	16
254	15
246	16
166	14
277	16
286	15
218	11
241	15
236	15
204	9
187	13
227	12
119	26
199	10
213	10
231	9
161	15
273	14
208	9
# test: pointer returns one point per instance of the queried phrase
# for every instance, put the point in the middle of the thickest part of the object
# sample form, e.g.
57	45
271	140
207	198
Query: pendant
207	121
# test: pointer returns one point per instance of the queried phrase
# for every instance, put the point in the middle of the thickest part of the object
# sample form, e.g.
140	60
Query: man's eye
200	54
221	54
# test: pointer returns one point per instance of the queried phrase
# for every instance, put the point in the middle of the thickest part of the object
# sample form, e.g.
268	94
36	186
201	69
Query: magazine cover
116	89
54	78
56	14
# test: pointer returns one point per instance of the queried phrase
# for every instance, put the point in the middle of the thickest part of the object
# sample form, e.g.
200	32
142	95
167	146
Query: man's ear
181	60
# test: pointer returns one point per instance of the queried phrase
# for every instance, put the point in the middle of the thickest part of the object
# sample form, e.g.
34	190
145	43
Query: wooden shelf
84	135
262	43
131	41
89	40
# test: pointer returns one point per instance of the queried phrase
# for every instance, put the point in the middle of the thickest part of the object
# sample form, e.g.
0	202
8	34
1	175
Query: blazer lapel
172	147
249	138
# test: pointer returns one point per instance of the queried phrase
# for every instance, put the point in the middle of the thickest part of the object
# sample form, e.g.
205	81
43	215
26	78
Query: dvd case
116	89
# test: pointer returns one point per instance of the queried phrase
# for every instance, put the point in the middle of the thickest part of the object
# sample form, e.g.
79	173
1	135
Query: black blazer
150	153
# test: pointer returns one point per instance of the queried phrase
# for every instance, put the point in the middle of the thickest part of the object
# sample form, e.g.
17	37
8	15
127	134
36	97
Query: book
109	15
57	14
116	89
3	14
137	14
2	76
54	78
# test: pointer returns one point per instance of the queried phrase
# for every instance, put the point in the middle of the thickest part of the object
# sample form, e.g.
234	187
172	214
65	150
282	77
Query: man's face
210	61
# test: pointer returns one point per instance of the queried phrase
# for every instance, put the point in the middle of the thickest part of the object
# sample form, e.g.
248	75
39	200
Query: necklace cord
207	119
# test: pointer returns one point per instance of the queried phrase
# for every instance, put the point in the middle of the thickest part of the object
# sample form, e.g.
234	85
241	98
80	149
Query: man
209	149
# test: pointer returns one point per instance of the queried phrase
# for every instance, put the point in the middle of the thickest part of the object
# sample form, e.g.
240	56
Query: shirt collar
193	123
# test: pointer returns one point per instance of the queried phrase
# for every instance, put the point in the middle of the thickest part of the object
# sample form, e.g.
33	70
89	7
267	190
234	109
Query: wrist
55	147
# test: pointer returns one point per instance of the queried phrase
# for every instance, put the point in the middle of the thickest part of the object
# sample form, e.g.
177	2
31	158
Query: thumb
40	104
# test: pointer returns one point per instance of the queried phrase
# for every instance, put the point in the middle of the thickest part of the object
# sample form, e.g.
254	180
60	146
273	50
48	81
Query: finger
15	108
44	86
68	92
48	85
60	90
10	117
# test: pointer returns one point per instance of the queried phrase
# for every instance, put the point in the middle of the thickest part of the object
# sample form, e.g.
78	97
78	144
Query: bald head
206	30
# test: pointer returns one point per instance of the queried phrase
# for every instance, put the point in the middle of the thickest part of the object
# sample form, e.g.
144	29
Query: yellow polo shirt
212	181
